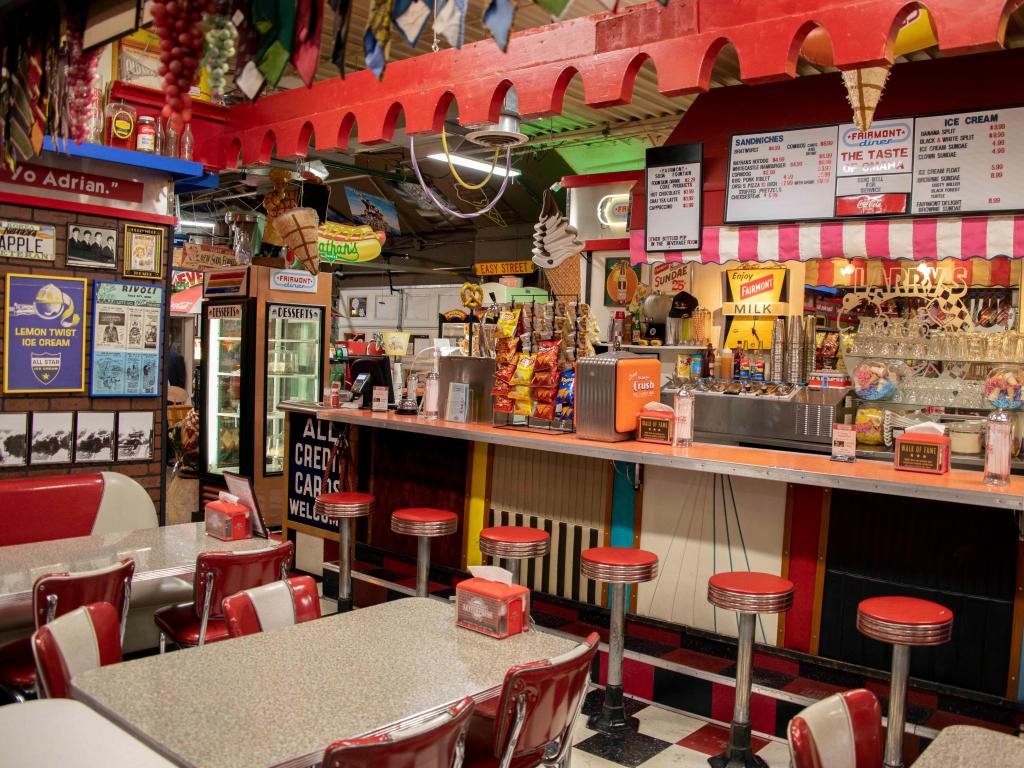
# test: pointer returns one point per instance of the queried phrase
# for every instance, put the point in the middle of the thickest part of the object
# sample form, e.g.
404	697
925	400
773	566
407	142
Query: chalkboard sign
310	443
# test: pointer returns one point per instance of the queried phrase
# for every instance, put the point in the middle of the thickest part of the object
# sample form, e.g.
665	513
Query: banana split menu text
970	162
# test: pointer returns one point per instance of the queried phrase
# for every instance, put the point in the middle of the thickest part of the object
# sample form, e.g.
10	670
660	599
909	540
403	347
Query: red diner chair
56	594
272	606
841	731
84	639
530	722
438	741
219	574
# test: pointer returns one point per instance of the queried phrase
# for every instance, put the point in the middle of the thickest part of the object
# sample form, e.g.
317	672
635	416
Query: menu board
126	339
674	190
969	162
782	175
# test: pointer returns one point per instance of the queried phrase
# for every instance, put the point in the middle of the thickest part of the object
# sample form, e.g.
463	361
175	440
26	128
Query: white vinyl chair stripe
274	605
832	731
76	639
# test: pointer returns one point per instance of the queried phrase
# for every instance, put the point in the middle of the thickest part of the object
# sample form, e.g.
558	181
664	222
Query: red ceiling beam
606	51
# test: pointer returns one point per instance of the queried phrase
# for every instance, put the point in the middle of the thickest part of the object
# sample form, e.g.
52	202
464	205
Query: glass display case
227	426
293	370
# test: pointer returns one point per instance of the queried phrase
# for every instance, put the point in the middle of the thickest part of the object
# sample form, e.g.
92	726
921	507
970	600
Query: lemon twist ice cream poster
44	334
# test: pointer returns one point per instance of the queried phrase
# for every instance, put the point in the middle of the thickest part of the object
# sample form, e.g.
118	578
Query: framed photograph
94	436
143	251
108	20
52	435
92	247
357	306
134	435
13	439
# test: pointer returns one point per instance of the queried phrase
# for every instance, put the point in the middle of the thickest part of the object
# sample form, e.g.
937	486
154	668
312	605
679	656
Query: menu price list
782	175
969	162
673	207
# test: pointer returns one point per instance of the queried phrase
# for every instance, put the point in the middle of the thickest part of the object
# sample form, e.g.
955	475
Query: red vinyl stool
747	593
902	622
424	523
617	566
344	505
513	543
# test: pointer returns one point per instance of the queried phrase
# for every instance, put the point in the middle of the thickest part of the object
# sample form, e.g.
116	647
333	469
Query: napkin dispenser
611	391
228	520
495	608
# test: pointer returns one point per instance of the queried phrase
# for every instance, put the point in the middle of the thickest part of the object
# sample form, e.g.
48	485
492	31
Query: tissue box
922	452
496	609
227	521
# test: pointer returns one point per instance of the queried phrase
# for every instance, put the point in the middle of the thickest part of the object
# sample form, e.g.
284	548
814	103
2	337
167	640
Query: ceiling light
476	165
196	224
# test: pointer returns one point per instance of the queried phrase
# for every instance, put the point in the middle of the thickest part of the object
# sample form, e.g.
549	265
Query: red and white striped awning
984	237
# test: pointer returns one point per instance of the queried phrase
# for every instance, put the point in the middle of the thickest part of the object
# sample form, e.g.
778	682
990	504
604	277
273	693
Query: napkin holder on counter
228	520
923	448
490	603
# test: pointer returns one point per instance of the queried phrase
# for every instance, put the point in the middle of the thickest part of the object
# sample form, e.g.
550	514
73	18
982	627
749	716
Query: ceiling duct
505	133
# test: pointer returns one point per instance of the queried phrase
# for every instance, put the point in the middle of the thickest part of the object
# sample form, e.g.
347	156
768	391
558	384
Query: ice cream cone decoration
864	90
557	249
299	229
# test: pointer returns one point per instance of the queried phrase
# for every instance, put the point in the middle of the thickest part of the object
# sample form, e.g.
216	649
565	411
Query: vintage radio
491	607
611	391
228	520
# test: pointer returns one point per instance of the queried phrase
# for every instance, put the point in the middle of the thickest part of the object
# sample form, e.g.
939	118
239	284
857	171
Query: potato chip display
547	358
544	411
523	408
500	387
505	371
508	321
545	394
524	370
520	392
503	404
545	379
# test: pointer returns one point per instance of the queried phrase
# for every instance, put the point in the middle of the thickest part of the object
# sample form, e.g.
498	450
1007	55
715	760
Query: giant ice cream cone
299	230
565	279
864	90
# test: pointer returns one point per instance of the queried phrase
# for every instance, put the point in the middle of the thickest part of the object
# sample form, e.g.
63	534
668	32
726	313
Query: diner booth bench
54	507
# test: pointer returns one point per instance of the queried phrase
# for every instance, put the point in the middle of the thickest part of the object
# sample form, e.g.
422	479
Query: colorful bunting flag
377	38
498	18
556	8
275	20
342	16
309	22
450	20
411	17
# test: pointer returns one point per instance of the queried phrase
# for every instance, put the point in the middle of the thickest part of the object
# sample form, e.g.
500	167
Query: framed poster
52	434
675	187
13	439
94	436
126	321
621	280
24	240
134	435
143	251
44	334
92	247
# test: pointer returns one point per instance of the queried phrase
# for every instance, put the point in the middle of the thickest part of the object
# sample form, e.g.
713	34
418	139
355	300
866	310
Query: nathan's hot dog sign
754	297
345	244
44	342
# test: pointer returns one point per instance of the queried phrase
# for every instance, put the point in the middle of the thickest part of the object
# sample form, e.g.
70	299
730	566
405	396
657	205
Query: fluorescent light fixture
476	165
196	224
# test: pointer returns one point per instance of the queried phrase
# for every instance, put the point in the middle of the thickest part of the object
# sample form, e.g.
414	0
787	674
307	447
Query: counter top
959	486
300	688
966	746
170	550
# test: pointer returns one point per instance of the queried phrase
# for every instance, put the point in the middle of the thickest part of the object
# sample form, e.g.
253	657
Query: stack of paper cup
794	351
778	372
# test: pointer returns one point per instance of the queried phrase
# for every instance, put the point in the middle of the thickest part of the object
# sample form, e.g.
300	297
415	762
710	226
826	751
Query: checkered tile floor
665	738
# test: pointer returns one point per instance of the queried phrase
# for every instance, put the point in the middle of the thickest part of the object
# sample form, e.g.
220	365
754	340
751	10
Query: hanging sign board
203	256
126	320
309	449
669	278
674	186
957	163
488	268
752	299
22	240
346	244
44	334
232	281
296	280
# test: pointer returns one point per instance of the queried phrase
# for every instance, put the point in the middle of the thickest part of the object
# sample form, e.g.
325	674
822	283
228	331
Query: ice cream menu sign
674	187
971	162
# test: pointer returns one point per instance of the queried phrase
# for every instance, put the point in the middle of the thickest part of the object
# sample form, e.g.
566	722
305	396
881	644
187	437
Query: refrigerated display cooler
257	350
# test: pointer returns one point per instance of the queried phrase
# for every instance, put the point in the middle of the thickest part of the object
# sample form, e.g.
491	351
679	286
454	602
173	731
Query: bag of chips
565	397
500	387
524	370
544	411
545	394
547	357
505	371
508	320
547	379
520	392
523	408
503	404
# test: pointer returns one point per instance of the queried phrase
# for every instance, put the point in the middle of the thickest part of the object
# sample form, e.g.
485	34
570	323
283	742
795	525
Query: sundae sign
44	345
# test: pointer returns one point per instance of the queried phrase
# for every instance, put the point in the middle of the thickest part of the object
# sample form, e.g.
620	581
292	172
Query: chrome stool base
739	753
612	720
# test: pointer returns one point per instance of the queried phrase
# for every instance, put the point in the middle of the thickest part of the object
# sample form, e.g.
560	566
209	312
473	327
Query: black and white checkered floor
665	738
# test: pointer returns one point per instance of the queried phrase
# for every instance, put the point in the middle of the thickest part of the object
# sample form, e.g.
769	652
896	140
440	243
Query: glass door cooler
227	393
294	370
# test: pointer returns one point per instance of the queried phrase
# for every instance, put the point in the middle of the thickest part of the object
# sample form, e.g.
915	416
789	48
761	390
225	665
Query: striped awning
984	237
999	272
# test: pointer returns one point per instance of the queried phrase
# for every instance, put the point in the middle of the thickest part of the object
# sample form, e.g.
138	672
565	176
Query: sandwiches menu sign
970	162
